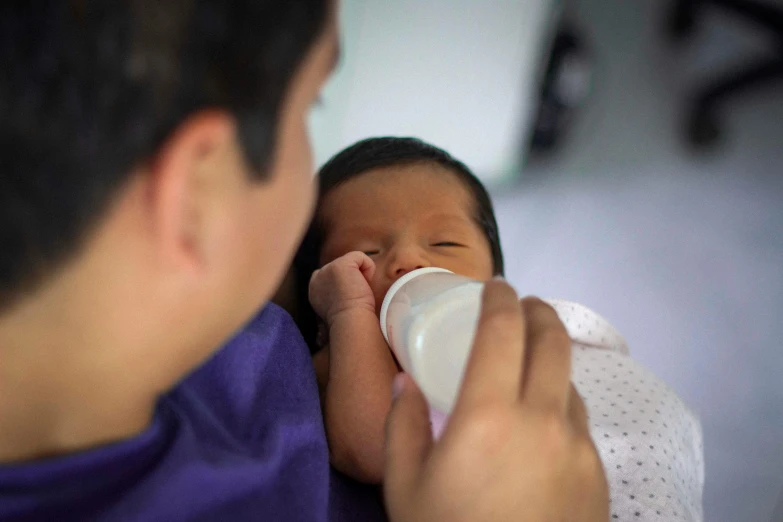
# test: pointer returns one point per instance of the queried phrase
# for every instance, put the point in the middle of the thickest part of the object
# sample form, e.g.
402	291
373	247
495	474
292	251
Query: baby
388	206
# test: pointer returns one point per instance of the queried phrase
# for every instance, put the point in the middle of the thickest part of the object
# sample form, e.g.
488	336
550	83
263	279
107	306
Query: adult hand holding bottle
517	445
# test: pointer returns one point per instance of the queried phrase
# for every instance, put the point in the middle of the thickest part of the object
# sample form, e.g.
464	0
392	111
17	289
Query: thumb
408	441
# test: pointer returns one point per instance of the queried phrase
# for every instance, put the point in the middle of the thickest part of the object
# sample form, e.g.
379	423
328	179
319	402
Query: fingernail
499	278
397	385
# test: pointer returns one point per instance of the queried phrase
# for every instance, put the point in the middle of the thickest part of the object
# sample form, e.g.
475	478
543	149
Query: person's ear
184	184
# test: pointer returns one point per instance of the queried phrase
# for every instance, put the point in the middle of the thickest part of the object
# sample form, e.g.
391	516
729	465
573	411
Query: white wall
458	73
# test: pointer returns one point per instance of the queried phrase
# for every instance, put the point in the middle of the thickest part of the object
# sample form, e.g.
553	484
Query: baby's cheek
379	291
475	269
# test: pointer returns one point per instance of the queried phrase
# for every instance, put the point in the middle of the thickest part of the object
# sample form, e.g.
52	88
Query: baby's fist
342	285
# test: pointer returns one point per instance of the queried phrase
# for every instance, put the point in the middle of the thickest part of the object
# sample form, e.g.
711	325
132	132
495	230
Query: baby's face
404	218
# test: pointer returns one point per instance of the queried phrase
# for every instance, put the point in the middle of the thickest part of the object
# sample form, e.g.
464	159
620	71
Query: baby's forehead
423	189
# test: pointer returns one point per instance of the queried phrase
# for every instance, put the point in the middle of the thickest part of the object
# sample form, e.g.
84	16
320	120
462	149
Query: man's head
156	167
407	205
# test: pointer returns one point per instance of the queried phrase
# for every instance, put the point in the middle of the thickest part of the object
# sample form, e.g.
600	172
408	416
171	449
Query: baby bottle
429	318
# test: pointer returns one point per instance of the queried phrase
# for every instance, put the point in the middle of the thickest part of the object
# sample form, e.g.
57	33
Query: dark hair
91	89
366	155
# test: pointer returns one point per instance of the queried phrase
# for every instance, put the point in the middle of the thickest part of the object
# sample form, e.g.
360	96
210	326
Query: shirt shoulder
264	373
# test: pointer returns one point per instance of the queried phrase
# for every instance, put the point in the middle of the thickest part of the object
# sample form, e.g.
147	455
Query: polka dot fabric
587	328
650	443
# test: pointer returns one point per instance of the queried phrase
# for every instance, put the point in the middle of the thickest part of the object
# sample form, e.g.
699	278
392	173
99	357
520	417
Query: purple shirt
240	439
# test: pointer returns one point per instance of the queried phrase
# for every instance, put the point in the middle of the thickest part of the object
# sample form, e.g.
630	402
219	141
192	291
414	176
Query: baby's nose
407	260
401	271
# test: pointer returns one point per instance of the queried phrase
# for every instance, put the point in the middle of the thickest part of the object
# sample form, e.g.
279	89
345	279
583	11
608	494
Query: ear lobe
178	196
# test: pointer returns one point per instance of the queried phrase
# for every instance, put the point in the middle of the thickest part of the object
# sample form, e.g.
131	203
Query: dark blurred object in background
703	118
566	86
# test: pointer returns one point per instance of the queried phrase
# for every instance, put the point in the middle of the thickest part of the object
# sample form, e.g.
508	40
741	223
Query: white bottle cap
399	284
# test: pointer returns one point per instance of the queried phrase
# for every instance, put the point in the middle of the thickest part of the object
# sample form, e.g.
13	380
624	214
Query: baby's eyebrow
450	218
359	230
365	230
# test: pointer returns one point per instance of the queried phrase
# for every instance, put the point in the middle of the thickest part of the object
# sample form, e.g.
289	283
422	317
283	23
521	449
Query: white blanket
649	441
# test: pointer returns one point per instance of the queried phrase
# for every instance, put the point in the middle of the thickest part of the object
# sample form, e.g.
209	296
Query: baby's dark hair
370	154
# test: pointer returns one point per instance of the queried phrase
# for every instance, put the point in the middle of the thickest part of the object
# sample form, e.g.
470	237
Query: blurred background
634	149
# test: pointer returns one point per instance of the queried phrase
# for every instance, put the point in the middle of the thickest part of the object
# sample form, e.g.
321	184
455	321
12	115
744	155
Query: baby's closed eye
368	248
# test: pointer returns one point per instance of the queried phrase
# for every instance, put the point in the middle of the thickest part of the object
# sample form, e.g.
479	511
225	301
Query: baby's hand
343	285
